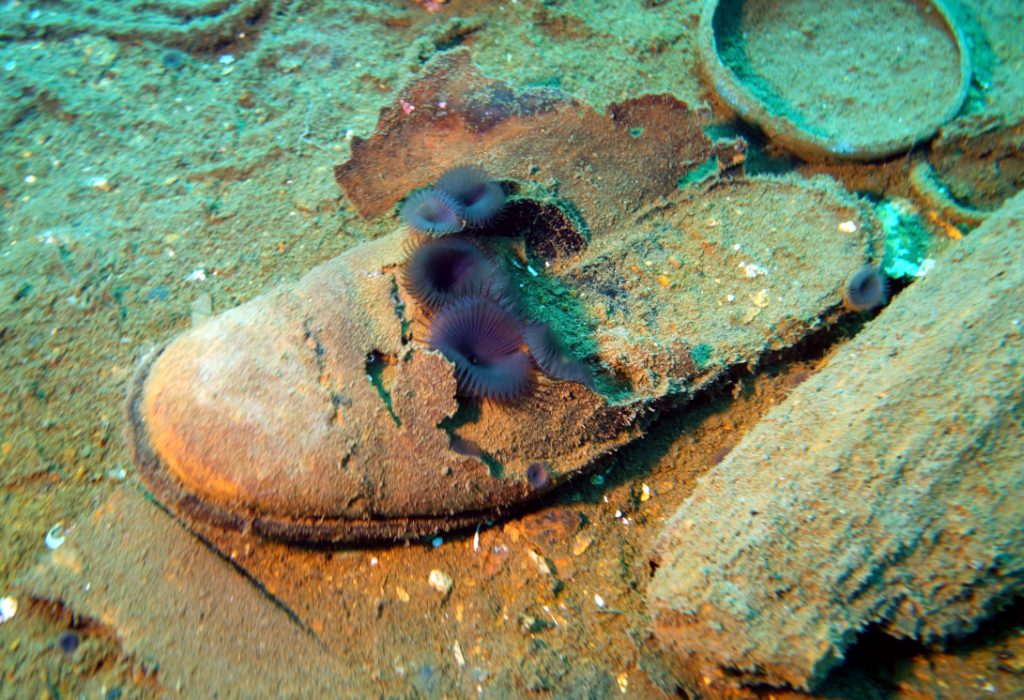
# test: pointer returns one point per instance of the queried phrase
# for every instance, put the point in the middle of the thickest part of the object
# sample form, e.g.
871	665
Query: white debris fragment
8	608
460	659
645	493
598	601
54	536
226	60
197	275
848	227
476	539
99	183
529	268
541	562
116	473
440	582
730	298
925	267
752	270
623	680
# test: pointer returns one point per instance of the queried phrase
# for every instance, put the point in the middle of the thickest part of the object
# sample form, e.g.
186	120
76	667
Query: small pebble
99	183
8	608
541	562
440	582
751	270
116	474
580	543
533	624
623	681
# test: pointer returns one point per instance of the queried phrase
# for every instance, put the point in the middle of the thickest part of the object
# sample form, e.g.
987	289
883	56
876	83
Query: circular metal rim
804	144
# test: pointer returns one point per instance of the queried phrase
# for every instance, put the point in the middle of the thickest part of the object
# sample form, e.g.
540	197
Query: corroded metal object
886	491
316	412
840	81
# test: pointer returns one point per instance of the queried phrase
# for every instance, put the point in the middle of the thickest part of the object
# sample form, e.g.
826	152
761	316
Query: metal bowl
835	80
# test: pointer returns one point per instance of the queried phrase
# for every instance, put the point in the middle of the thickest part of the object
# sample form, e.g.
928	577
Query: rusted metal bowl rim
738	95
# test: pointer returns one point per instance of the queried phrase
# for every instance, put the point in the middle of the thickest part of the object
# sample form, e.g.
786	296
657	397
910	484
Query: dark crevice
553	230
378	365
672	416
469	412
337	399
396	299
762	157
453	36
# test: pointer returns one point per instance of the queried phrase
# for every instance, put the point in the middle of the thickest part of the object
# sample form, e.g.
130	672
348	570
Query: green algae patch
702	172
701	355
908	242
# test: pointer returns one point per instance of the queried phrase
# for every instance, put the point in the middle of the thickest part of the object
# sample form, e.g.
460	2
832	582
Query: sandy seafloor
149	176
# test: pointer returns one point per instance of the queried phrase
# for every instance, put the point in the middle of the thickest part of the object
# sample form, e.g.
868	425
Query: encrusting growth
463	292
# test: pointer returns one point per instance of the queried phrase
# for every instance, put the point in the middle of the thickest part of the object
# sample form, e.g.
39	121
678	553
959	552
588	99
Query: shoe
330	410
